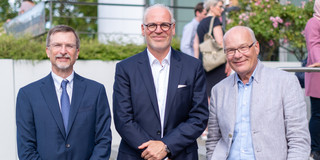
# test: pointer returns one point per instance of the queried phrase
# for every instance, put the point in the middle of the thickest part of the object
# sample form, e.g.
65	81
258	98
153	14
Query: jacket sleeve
296	122
188	131
129	130
102	148
26	131
214	134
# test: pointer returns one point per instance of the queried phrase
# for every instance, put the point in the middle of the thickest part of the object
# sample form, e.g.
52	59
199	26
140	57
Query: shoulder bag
212	54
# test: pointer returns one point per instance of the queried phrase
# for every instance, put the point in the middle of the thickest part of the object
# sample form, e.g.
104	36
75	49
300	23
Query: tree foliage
275	25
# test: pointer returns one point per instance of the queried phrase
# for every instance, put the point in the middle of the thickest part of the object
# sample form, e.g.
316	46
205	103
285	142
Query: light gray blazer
279	124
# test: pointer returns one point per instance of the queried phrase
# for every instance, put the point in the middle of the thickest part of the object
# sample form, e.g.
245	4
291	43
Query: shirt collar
251	78
153	59
57	79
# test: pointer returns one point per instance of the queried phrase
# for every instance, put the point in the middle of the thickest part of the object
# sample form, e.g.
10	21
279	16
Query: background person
190	30
214	8
312	79
48	125
258	112
159	101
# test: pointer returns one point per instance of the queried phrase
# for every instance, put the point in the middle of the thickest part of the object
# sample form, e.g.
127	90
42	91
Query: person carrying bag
212	54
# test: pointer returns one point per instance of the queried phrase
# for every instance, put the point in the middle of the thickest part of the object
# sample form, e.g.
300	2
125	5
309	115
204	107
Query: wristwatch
167	149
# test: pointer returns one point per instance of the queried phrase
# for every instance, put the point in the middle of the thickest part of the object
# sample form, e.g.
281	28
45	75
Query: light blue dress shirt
242	147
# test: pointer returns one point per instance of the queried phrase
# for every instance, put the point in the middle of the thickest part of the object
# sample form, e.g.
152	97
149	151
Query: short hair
62	28
199	8
158	6
210	3
251	32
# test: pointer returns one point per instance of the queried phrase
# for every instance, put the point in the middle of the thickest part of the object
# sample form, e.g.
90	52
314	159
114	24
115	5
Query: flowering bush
275	25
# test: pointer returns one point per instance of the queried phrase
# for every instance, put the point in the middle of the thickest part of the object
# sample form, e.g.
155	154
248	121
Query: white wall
7	111
16	74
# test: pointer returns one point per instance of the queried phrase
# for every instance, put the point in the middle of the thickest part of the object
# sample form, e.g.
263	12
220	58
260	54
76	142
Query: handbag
212	54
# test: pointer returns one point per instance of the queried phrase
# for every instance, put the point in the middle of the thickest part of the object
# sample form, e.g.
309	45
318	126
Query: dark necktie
65	104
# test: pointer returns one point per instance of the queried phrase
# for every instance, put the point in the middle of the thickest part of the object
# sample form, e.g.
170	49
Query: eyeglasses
242	49
58	46
153	27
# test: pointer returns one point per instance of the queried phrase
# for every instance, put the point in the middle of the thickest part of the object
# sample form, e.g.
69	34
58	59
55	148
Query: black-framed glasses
242	49
164	26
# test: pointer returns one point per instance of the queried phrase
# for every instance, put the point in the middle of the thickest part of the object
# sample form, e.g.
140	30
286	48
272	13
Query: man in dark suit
48	125
160	102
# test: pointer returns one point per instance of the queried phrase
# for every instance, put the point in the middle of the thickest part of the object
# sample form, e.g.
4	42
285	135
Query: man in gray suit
258	112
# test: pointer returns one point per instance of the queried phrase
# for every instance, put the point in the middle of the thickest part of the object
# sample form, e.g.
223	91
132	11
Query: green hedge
34	49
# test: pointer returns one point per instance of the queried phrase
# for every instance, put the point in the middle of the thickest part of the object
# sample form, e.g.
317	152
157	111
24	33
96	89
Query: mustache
62	56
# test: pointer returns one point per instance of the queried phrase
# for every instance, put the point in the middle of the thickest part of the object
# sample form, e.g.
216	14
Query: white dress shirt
57	83
160	73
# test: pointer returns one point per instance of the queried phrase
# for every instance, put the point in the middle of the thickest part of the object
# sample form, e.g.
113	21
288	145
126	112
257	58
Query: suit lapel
174	77
232	99
50	96
146	74
77	94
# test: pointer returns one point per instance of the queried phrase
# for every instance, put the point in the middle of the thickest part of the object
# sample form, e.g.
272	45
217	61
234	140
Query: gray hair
158	6
62	28
253	37
210	3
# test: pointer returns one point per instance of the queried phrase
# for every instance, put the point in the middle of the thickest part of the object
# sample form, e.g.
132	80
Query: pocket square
182	85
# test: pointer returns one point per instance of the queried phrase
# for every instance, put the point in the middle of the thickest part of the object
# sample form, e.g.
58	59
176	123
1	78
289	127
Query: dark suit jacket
40	129
135	107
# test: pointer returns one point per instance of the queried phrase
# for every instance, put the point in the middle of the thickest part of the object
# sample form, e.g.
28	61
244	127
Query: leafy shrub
275	25
34	48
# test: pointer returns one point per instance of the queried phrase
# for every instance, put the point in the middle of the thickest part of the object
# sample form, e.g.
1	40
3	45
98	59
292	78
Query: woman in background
214	9
312	79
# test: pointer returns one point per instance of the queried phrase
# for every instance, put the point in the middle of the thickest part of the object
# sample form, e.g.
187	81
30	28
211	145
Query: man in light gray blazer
258	113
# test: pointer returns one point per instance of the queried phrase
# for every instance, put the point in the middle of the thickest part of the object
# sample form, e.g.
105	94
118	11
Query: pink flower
252	13
287	24
303	3
246	18
268	6
267	0
229	21
278	19
271	43
272	19
288	2
285	40
302	32
265	10
275	24
300	17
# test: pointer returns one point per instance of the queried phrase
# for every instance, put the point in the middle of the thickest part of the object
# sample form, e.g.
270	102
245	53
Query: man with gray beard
63	115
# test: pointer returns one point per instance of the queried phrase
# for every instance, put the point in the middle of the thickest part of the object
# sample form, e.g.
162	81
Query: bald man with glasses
258	113
159	100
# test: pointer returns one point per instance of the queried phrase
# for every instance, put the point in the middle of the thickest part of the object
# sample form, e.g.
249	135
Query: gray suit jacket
279	124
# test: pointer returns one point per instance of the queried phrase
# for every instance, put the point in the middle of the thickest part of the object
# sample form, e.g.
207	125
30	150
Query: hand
155	150
315	65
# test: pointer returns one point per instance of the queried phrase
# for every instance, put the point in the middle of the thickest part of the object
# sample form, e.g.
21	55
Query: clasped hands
154	150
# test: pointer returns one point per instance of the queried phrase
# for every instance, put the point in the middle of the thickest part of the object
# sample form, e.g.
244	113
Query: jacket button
230	135
158	132
68	145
